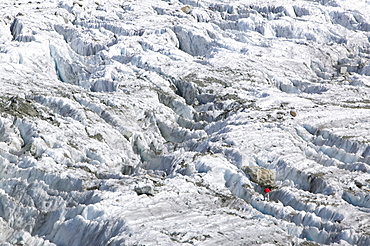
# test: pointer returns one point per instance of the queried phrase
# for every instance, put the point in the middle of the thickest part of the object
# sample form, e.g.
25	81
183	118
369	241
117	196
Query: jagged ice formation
132	122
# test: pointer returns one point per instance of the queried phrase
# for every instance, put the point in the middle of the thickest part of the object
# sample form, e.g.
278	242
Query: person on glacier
266	194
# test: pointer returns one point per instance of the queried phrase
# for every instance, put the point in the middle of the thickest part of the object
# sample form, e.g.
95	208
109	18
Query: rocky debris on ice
262	176
186	9
144	189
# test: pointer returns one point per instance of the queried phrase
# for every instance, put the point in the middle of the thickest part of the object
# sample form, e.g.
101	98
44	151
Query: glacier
132	122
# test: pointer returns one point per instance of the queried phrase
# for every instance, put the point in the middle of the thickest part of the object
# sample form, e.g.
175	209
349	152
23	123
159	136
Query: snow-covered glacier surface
134	122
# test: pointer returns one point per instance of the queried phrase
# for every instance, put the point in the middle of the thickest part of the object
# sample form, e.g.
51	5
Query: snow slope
131	122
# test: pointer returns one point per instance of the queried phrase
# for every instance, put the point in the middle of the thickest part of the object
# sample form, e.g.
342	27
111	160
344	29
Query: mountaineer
266	194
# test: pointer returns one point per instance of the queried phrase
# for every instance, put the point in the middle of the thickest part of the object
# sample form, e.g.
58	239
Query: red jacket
266	190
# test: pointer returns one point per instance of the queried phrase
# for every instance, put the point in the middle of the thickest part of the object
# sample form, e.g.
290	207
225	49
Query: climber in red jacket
266	194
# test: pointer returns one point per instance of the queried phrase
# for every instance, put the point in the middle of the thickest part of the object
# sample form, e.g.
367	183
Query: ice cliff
133	122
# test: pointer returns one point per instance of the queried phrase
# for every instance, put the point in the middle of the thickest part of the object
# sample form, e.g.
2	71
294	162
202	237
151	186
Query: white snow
131	122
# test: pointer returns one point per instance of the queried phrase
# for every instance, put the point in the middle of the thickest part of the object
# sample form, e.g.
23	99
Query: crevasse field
133	122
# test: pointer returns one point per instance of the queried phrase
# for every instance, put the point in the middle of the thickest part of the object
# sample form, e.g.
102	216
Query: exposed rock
262	176
186	9
146	189
128	169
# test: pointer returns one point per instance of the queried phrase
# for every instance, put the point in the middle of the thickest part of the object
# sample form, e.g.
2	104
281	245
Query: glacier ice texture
134	122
